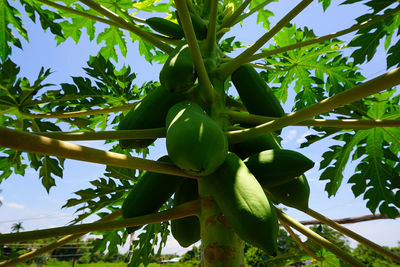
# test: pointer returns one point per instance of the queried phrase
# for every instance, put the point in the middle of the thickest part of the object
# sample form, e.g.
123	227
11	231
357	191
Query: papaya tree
218	104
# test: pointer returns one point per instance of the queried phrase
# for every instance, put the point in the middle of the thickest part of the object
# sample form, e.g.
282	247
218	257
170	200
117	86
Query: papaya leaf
104	193
317	71
325	3
73	28
109	241
46	17
11	164
368	39
49	168
262	14
112	37
10	16
376	150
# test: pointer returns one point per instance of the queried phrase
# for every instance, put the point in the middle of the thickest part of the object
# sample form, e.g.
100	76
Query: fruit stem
185	210
353	235
380	83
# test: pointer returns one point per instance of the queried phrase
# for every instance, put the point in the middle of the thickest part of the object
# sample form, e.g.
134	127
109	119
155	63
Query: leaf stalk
227	68
318	239
185	210
380	83
353	235
240	117
29	142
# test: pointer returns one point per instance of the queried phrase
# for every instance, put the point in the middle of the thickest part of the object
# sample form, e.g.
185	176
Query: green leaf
112	37
74	28
46	17
50	167
9	16
325	3
317	71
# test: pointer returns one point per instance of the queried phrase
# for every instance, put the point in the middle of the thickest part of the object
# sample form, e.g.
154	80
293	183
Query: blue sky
24	199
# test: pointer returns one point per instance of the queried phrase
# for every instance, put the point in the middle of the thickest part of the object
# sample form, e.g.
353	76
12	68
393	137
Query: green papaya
178	73
277	166
186	230
149	194
255	145
165	27
149	113
295	193
254	92
195	143
199	25
244	203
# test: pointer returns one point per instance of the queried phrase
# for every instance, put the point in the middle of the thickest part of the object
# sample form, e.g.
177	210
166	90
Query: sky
25	199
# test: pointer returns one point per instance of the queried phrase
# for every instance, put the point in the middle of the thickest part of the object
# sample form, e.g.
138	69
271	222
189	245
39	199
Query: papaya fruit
195	143
254	92
277	166
149	113
149	194
295	193
178	73
165	27
255	145
186	230
244	203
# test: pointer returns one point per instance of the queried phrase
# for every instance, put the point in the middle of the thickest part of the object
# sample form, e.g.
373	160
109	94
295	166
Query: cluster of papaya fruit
245	179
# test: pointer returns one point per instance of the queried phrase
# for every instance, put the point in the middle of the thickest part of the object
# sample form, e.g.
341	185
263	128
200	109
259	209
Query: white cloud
15	205
302	137
289	136
1	198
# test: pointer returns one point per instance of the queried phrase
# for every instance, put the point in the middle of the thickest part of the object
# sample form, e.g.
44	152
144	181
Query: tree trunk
221	246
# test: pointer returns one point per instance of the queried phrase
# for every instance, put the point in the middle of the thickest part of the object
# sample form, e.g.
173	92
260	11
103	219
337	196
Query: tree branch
227	68
136	30
240	117
353	235
323	38
364	218
80	113
380	83
318	239
211	29
62	241
106	135
29	142
191	39
298	241
185	210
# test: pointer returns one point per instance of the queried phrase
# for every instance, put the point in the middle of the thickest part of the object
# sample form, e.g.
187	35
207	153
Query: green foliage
315	72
